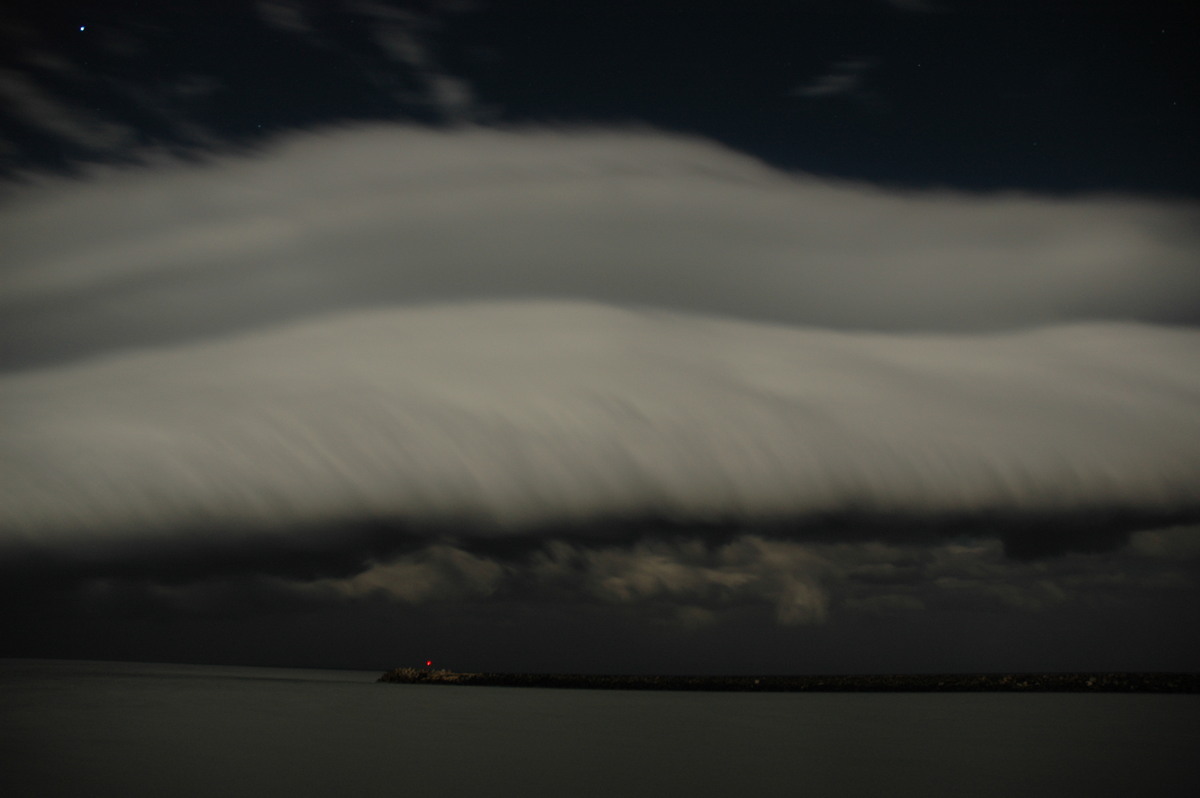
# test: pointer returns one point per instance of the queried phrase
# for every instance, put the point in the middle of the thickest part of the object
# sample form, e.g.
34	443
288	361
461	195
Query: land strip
949	683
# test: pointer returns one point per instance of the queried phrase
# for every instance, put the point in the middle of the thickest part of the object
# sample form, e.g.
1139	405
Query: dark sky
680	337
1016	94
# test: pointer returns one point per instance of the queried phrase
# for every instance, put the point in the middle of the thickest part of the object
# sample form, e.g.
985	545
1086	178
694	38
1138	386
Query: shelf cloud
391	215
503	420
616	369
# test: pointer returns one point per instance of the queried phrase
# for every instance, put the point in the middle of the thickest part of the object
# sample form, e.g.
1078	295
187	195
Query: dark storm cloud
801	583
402	215
696	585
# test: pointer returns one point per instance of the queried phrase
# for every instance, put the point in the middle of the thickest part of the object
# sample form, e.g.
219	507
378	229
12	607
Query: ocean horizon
131	729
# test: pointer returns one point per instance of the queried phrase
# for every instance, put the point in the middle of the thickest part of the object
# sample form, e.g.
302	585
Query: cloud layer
387	215
521	376
508	419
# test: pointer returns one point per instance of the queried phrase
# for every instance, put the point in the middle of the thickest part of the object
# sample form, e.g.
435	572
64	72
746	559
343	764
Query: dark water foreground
129	730
905	683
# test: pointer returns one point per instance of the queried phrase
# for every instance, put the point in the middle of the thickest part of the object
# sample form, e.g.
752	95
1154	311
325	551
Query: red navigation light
428	663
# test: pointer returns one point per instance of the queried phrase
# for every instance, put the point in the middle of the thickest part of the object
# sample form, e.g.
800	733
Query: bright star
81	27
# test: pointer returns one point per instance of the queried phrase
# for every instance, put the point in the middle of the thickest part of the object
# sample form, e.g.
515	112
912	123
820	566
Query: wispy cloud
407	37
35	106
288	16
843	77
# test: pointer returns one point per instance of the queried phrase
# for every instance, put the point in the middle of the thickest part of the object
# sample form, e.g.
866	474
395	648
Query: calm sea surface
100	729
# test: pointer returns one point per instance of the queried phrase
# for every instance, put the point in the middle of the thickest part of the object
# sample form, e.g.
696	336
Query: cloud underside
695	581
691	583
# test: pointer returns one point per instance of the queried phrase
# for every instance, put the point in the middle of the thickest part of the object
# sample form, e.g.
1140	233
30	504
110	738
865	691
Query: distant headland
902	683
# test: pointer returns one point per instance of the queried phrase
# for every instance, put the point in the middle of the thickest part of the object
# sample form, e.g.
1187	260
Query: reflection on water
76	728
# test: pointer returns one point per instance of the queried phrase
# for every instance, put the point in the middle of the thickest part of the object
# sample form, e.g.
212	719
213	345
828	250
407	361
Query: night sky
692	337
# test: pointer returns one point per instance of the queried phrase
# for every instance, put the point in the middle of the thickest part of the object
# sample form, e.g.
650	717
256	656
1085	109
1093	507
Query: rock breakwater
949	683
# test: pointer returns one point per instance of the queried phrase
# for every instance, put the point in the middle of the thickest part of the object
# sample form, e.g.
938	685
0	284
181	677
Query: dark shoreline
904	683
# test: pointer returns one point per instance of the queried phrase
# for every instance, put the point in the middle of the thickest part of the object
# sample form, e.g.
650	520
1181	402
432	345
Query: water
100	729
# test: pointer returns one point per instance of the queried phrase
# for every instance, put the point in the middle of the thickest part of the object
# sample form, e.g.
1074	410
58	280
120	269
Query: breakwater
1005	682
